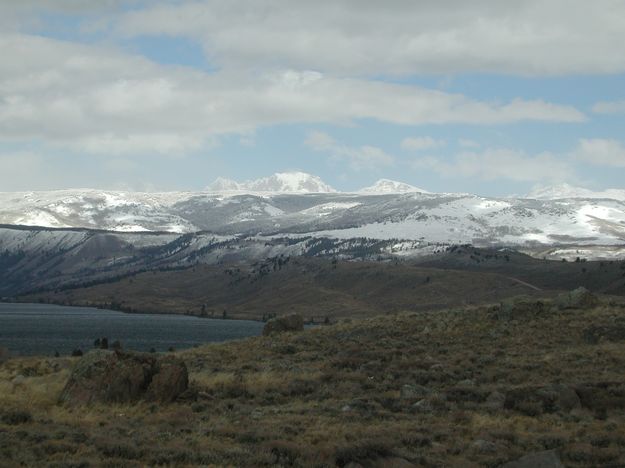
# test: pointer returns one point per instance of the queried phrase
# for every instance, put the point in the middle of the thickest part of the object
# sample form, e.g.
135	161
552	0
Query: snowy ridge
385	186
297	204
555	192
281	182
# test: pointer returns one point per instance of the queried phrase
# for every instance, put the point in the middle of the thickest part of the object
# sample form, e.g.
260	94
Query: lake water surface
41	329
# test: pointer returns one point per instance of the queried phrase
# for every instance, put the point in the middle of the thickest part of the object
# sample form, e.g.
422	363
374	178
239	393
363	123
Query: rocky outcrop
122	377
286	323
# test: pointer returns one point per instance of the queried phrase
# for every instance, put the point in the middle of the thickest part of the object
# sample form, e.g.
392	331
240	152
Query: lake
42	329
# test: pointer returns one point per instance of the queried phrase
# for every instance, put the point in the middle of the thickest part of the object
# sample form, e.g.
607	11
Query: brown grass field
425	387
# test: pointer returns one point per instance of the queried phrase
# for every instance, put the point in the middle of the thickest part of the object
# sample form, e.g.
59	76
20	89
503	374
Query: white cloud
359	158
601	152
493	164
421	143
609	107
96	99
533	37
466	143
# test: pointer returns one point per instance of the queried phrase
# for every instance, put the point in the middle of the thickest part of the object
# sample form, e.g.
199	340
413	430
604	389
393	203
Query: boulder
580	298
122	377
170	380
544	459
286	323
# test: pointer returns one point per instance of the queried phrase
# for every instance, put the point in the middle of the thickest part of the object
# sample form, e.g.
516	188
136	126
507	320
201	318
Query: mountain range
58	238
296	204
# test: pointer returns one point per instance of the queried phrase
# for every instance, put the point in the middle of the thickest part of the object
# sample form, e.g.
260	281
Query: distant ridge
390	186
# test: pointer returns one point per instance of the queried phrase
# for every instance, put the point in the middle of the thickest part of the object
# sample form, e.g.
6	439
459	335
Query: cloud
609	107
359	158
421	143
465	143
494	163
601	152
97	99
398	37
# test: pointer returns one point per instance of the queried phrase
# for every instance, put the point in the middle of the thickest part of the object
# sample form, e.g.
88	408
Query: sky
487	97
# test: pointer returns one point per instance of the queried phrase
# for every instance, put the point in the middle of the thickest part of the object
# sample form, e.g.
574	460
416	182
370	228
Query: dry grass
337	394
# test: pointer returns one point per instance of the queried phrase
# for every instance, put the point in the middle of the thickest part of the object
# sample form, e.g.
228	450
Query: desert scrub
412	386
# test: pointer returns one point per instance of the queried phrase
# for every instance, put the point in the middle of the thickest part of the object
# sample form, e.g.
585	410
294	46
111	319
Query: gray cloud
364	157
500	163
352	37
100	100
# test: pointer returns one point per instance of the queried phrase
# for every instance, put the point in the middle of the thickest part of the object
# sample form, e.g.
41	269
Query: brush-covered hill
459	387
318	288
315	288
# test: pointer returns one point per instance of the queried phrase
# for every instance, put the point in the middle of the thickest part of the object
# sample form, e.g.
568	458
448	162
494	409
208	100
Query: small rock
545	459
286	323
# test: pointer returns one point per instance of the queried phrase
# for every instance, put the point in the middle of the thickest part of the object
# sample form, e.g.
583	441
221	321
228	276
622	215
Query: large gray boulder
123	377
286	323
544	459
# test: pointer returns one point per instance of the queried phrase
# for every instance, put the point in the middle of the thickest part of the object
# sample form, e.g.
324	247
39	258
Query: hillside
318	288
315	288
463	387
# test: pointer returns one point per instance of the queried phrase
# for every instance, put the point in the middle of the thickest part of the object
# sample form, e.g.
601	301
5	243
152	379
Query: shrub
14	417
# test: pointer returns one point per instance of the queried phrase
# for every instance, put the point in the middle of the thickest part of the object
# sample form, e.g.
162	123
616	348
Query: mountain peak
391	186
280	182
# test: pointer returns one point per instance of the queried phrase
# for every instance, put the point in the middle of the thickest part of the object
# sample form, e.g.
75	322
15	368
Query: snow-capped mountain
383	186
281	182
299	205
555	192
